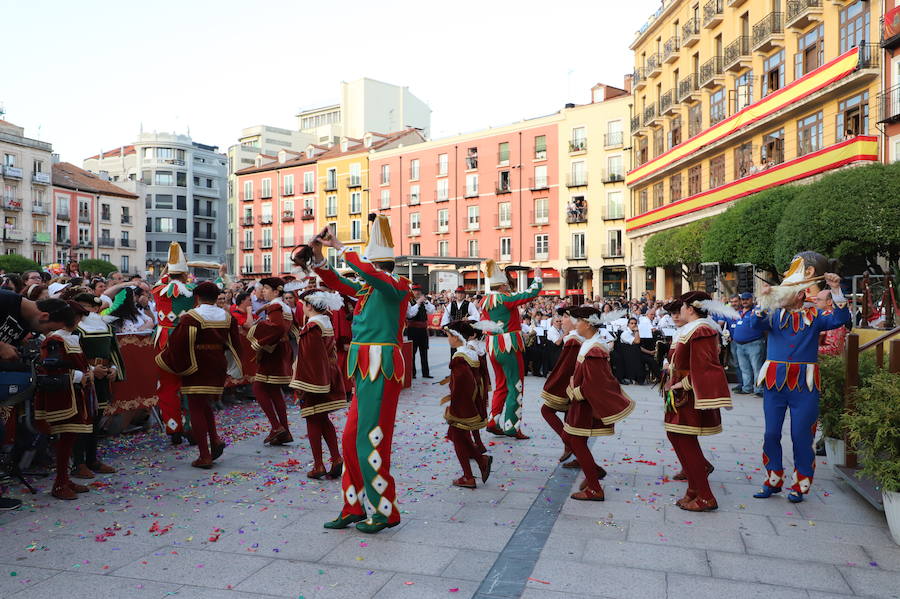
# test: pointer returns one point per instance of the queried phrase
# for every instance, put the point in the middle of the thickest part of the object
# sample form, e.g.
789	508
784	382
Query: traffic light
744	278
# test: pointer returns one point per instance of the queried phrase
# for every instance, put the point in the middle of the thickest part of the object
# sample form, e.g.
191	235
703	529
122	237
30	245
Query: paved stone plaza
253	526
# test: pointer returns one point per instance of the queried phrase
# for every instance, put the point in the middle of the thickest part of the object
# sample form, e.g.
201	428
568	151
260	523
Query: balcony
735	3
472	162
612	251
441	168
613	213
205	235
126	219
287	242
13	235
502	188
441	227
354	182
441	195
247	197
205	213
639	78
307	214
538	183
62	214
470	192
40	178
265	219
37	208
690	33
331	185
737	54
802	13
635	123
614	139
310	189
247	221
649	115
576	215
501	257
41	238
415	231
84	217
210	192
768	34
265	244
539	219
576	180
12	204
12	172
470	226
576	253
412	199
670	49
577	145
713	13
63	241
890	32
106	242
869	58
504	221
248	270
287	191
539	254
654	65
711	74
266	194
287	216
889	105
667	104
613	176
128	244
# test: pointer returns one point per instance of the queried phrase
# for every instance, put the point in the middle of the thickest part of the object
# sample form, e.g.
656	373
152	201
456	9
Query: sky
87	75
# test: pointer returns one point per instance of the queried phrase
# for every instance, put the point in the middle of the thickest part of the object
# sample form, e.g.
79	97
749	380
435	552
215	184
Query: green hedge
13	263
96	267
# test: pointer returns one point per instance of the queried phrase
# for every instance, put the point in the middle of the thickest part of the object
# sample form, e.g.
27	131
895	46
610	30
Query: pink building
489	194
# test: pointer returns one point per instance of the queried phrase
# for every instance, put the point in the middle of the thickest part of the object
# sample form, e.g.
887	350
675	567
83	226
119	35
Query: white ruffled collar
477	346
469	352
588	344
66	336
573	335
211	312
287	309
94	323
323	320
685	330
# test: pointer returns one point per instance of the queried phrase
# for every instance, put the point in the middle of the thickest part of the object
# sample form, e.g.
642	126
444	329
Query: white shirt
554	334
627	337
473	315
645	327
414	309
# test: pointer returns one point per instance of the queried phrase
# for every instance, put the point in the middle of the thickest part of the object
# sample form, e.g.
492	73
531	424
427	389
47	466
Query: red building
889	99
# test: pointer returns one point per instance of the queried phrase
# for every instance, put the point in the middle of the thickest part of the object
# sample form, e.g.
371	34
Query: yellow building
593	204
343	182
736	96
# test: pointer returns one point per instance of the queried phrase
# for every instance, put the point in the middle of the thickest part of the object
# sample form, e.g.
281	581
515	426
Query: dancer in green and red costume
375	360
505	349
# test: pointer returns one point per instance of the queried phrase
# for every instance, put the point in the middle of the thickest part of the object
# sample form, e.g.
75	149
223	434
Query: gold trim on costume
272	379
211	324
589	432
55	429
308	387
616	417
686	383
202	390
469	361
711	404
555	402
692	430
330	406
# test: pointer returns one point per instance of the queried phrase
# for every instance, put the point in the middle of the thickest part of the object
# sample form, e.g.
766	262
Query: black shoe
176	438
626	381
737	389
8	504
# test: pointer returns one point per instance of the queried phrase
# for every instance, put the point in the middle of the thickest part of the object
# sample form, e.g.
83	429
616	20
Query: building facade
93	218
889	99
185	185
26	200
733	97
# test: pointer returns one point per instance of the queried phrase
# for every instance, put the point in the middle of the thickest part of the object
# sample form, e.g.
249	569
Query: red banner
892	23
549	292
574	291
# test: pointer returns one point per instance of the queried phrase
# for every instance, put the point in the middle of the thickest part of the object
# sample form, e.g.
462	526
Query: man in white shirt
420	308
460	309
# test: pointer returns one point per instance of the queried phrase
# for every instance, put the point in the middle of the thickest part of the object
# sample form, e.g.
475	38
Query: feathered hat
177	262
381	244
322	299
494	275
700	300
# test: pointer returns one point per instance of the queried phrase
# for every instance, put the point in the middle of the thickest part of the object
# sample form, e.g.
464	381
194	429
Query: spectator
37	292
130	317
831	343
748	346
32	277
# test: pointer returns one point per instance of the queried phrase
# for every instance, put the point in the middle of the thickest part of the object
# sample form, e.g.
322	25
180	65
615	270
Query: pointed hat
381	244
177	262
493	275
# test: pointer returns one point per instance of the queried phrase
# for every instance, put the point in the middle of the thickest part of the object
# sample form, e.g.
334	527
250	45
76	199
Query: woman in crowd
37	292
129	317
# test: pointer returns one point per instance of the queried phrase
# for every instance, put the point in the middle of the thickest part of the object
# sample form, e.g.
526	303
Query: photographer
417	313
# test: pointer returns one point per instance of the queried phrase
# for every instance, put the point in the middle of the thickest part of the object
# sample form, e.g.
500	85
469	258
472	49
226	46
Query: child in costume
484	373
318	378
554	392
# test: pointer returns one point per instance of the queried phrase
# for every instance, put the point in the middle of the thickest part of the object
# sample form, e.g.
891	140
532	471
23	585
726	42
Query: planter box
836	450
892	513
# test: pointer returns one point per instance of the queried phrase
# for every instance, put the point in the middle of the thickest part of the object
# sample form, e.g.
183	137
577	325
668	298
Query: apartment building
93	218
490	194
26	183
736	96
889	98
184	192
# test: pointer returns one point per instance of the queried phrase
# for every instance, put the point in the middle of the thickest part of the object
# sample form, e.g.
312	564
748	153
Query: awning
574	291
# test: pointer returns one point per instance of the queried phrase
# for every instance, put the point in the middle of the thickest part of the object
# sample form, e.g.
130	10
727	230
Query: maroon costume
270	340
554	392
466	412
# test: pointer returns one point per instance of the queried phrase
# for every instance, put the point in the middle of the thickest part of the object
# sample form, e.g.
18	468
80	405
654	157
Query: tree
95	266
678	248
18	264
743	233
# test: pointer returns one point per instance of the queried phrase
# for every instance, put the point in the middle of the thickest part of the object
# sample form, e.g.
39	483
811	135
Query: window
503	153
248	190
84	236
695	119
471	158
540	177
105	257
675	188
356	230
287	236
504	214
472	186
578	249
267	263
717	171
443	248
415	249
287	264
541	211
266	233
443	190
540	147
614	249
773	73
385	174
772	151
852	117
616	172
506	249
165	225
642	155
473	218
473	248
331	179
163	178
385	198
743	160
181	225
413	195
415	226
443	161
289	185
659	141
414	169
165	153
331	206
579	174
541	247
443	220
675	132
809	134
615	206
181	179
854	25
810	51
355	175
614	135
181	202
309	182
643	203
695	175
266	217
717	109
659	193
355	202
148	153
105	212
504	183
579	139
743	91
248	263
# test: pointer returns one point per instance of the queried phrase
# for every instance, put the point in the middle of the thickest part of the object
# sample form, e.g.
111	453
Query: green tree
679	248
743	233
14	263
96	267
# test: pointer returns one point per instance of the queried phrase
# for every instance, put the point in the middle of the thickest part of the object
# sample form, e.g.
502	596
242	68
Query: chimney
629	79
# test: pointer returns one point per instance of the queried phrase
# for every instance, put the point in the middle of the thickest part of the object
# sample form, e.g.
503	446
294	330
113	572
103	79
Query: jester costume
375	361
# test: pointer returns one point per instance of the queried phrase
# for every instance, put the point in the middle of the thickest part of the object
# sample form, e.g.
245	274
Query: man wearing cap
748	345
417	328
459	309
505	349
375	360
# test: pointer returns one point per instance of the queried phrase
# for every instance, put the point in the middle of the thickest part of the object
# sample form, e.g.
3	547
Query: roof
271	166
117	152
70	176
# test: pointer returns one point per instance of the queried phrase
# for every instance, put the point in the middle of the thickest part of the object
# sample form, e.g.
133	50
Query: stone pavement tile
192	566
702	587
489	515
839	554
697	535
287	578
616	581
887	558
416	586
426	509
645	555
470	565
872	582
832	532
813	594
564	547
14	578
848	512
616	511
455	534
579	526
537	593
517	500
376	553
193	592
72	585
739	520
767	570
308	545
65	552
